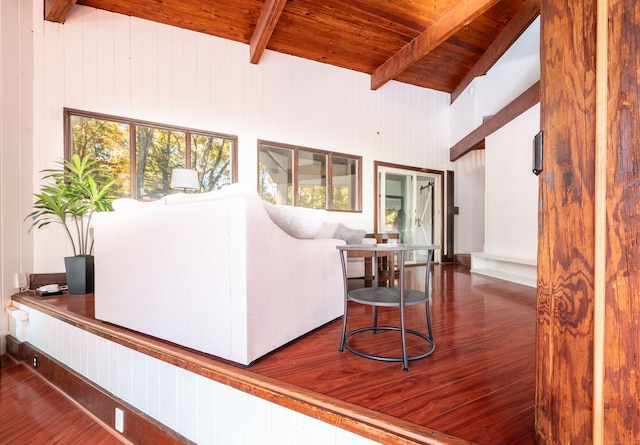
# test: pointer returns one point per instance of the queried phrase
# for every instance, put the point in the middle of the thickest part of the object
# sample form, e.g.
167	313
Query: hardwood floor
478	384
33	412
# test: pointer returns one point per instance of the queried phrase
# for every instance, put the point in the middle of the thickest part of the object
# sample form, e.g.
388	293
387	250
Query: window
308	178
141	155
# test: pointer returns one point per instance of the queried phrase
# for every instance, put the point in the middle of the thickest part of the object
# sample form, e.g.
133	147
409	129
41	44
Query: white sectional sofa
215	273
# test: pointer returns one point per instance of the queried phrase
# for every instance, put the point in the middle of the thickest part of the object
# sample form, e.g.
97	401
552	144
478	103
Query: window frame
330	155
133	124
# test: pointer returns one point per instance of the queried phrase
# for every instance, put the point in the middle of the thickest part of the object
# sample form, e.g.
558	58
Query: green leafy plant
71	195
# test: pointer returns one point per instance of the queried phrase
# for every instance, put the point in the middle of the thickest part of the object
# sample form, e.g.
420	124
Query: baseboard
463	258
502	275
515	269
139	428
15	348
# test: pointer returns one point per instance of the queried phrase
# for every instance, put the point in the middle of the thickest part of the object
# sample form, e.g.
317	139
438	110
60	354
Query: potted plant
71	195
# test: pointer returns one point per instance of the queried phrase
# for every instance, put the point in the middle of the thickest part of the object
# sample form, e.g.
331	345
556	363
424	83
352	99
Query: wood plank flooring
33	412
478	384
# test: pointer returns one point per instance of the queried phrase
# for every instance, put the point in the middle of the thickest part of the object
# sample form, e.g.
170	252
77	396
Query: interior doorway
409	201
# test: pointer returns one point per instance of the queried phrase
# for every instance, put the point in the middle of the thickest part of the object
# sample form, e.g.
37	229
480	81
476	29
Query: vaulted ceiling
437	44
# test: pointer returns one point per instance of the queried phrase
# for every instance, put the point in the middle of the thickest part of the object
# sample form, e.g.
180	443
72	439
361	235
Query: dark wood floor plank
481	374
477	385
33	412
445	398
517	429
472	419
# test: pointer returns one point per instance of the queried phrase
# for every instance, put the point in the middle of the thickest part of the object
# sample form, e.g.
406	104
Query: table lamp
185	179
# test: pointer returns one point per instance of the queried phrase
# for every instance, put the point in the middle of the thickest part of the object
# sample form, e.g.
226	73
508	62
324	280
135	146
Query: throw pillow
327	231
351	236
299	222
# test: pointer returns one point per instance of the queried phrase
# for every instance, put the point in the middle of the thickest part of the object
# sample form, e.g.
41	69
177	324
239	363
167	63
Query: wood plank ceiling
436	44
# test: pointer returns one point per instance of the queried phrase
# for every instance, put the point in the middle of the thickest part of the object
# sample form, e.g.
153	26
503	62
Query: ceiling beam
516	26
57	10
514	109
449	24
266	25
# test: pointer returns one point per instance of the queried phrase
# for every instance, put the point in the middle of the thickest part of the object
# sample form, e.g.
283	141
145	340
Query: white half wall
202	410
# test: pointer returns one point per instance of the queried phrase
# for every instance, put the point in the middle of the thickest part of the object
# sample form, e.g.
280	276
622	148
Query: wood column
622	299
567	260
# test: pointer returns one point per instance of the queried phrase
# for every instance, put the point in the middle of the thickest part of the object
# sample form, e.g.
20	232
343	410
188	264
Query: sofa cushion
229	191
130	204
299	222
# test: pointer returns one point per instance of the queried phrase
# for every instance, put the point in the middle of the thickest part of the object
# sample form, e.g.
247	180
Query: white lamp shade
183	178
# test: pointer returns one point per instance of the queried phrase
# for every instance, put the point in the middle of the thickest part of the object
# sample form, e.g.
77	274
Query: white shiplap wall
200	409
479	227
16	123
114	64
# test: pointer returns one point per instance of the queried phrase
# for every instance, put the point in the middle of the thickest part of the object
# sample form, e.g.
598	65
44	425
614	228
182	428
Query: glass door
409	204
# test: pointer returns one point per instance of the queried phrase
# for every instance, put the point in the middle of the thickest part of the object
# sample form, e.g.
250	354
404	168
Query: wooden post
564	365
588	337
621	397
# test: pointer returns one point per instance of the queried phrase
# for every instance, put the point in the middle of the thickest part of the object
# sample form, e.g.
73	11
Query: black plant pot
79	274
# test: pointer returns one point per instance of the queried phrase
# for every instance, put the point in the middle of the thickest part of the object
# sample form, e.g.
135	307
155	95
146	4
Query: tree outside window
107	141
345	181
275	181
312	179
141	155
308	178
158	152
212	157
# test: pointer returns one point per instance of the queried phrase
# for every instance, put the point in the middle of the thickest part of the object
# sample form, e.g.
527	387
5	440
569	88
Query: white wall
479	174
109	63
511	224
469	198
469	172
511	199
15	148
114	64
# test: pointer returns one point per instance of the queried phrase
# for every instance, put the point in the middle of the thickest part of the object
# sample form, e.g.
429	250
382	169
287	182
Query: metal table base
390	297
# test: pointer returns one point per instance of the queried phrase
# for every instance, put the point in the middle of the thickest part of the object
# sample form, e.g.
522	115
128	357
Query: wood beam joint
449	24
475	139
516	26
267	22
57	10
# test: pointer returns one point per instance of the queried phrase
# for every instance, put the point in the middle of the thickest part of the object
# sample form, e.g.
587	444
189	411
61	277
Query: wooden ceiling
437	44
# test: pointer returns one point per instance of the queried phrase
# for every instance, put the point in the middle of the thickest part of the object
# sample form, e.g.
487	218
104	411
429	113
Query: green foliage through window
308	178
141	156
108	143
212	157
